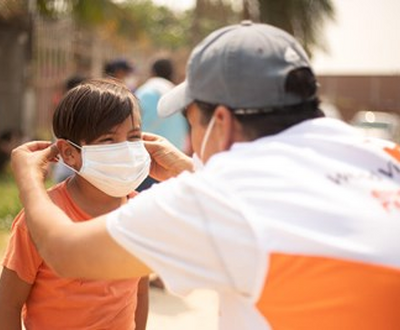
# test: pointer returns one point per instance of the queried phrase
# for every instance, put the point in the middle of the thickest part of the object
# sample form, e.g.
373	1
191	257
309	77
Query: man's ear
68	153
225	127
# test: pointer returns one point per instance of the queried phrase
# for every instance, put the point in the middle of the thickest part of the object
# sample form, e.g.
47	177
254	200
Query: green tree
302	18
89	13
136	20
209	15
159	25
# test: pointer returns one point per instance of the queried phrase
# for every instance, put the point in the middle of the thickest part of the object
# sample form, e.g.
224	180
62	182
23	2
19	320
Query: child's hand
166	160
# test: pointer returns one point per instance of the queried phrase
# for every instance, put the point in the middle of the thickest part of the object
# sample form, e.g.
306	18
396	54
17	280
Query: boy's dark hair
163	68
266	121
91	109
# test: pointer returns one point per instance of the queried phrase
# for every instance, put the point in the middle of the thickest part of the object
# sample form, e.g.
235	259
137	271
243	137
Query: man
121	69
291	217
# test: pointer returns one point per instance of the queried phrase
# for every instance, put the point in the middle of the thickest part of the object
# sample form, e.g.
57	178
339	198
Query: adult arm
142	307
13	294
83	249
167	160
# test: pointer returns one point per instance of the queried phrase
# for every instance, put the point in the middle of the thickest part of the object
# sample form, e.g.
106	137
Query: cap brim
174	101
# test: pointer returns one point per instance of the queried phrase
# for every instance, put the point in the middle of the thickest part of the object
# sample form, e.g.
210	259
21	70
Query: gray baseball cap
241	66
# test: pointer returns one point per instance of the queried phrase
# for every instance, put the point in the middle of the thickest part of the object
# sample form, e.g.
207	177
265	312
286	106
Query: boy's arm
142	307
13	294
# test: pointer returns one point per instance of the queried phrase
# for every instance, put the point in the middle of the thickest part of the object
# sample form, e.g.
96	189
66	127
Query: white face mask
117	169
198	162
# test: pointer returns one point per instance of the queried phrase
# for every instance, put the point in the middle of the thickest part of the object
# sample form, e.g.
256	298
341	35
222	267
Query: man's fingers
36	145
51	152
47	149
148	137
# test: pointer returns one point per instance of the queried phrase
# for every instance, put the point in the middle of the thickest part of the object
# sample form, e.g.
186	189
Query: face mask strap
206	136
74	144
65	164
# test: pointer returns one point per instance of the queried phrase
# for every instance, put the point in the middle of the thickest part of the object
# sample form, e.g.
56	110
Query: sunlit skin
225	131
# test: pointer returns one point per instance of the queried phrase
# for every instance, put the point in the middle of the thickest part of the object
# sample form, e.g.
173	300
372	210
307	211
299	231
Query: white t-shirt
293	230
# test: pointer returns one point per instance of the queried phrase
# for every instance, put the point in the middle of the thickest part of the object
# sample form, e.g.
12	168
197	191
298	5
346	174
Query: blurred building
37	55
354	93
15	54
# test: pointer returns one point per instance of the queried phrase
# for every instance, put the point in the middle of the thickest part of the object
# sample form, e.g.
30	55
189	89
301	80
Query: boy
98	127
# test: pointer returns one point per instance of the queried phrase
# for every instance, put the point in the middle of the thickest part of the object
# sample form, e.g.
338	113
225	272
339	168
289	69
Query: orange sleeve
21	255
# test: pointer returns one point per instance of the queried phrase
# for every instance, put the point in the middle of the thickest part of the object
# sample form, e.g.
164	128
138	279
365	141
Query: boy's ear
68	153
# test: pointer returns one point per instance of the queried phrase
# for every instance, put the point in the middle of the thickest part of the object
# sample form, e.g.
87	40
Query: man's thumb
50	152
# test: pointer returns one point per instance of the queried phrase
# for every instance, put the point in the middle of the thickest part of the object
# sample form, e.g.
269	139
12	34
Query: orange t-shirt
64	303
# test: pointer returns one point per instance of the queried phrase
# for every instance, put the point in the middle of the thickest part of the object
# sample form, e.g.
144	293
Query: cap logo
291	55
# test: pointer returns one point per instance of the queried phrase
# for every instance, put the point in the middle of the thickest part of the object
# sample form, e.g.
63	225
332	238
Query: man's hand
30	162
166	160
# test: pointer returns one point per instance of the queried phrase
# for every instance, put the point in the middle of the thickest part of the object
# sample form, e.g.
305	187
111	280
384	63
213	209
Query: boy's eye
106	140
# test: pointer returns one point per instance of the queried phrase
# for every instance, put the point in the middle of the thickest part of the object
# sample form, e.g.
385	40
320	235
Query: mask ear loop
74	144
206	136
65	164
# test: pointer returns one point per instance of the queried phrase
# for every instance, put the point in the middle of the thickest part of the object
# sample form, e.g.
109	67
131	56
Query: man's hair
91	109
266	121
163	68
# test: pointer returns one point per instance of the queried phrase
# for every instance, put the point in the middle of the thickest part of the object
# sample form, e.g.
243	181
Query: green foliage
159	25
54	8
302	18
10	204
84	11
135	20
210	15
143	21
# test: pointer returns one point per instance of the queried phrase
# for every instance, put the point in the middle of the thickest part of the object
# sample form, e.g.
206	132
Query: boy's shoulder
57	193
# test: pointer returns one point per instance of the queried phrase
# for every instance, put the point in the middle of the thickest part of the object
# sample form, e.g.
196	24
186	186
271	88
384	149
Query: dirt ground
197	311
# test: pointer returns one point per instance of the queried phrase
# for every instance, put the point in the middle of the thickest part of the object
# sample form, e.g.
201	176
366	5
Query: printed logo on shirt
391	170
389	199
348	177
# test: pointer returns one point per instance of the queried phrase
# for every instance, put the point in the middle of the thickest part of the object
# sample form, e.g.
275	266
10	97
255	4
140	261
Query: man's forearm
46	222
83	249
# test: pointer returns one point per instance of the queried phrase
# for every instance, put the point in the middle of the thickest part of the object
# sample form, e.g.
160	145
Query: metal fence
61	49
37	57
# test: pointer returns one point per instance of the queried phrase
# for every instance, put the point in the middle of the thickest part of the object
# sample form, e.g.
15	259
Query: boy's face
128	130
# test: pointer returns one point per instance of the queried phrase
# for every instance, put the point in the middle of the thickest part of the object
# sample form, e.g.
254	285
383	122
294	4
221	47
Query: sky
364	38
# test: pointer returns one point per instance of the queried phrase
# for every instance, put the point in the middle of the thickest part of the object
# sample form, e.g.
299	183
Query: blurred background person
123	70
173	128
9	139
